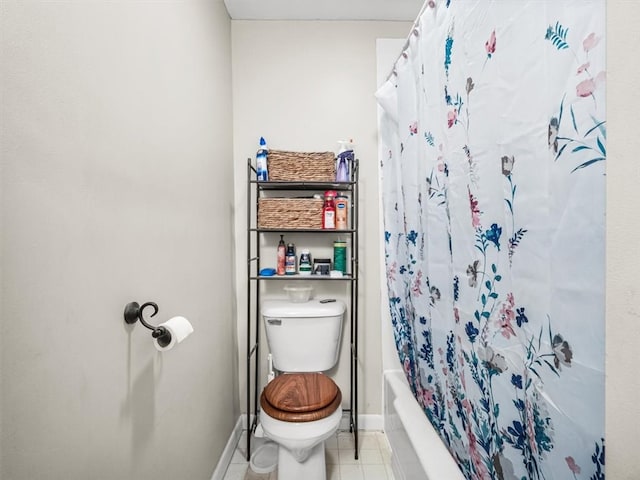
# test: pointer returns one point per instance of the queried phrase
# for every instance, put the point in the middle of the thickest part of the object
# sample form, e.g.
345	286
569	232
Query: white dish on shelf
298	293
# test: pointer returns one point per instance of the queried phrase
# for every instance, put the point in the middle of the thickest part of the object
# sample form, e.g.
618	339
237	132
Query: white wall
116	181
303	86
623	247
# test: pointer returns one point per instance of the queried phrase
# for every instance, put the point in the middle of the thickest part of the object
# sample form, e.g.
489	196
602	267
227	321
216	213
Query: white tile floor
374	460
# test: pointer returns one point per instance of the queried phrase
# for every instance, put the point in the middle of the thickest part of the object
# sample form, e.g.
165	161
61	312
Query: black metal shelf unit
255	189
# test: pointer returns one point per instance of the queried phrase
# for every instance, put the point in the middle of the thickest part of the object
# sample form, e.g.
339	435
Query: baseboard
229	449
370	422
365	422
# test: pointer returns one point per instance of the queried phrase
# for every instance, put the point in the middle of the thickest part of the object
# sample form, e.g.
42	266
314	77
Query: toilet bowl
301	407
299	412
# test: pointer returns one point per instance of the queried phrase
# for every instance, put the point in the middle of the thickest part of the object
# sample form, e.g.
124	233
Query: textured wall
623	249
116	186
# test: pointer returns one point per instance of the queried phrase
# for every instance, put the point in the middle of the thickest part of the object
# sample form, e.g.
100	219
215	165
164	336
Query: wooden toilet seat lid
300	397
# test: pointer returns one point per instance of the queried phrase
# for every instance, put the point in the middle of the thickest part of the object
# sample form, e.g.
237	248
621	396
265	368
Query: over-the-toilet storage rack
255	189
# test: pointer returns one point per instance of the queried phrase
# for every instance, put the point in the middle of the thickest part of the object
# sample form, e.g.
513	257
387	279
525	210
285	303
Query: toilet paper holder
133	312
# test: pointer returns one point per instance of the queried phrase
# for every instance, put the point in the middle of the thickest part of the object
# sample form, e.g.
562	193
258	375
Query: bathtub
417	452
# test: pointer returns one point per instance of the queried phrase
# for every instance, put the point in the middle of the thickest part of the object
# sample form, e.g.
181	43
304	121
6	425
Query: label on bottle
341	204
281	261
340	256
290	265
342	172
261	166
304	267
329	219
290	260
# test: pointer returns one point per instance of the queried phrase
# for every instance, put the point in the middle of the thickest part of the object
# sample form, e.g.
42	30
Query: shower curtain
493	177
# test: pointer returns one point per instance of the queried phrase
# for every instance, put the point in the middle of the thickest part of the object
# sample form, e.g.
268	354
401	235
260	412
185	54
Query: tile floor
374	461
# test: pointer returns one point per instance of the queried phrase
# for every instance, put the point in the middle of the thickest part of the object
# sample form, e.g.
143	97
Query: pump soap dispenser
280	269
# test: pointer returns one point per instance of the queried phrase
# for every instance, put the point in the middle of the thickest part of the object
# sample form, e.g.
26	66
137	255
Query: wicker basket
290	213
301	167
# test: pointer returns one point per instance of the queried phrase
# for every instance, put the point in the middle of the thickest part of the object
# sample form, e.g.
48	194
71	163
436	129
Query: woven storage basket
301	167
290	213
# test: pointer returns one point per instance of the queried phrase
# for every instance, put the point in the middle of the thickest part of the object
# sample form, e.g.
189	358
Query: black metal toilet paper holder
133	312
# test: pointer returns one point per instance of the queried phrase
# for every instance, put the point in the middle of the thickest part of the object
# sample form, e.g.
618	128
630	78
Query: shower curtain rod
427	3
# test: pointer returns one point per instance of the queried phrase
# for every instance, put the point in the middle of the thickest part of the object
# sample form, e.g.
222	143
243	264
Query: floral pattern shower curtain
493	177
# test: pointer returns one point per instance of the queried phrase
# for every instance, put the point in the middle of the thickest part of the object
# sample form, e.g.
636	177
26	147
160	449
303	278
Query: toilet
301	407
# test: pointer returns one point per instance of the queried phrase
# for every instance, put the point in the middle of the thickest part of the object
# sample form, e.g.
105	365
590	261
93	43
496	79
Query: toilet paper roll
179	328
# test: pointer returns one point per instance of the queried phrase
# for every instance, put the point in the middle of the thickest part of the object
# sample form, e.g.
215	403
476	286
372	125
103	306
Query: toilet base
301	445
313	468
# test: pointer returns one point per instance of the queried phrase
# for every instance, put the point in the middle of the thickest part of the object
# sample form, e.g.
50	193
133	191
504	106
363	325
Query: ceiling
397	10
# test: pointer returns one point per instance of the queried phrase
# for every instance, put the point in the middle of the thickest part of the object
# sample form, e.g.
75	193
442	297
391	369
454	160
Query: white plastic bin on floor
265	458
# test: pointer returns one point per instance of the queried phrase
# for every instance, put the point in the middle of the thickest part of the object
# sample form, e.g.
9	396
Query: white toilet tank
303	337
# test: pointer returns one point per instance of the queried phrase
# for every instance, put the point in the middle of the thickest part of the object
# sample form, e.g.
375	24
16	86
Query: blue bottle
342	174
261	162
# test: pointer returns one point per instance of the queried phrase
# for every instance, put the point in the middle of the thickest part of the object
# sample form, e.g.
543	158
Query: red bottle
329	212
